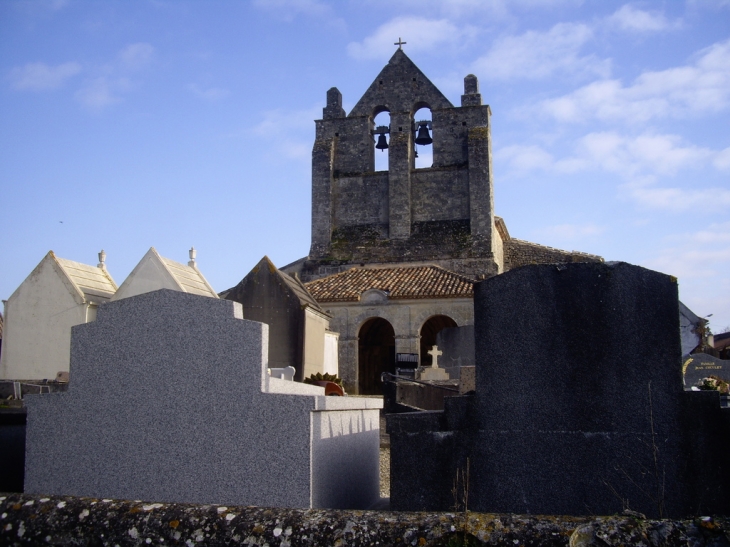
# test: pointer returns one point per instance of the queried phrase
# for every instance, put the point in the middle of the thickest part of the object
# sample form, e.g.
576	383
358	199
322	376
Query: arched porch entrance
376	354
429	330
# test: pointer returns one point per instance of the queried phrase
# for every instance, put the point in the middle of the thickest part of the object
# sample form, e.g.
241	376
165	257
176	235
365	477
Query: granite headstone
701	365
578	409
170	401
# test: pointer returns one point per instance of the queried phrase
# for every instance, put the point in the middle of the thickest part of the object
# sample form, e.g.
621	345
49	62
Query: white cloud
678	200
633	157
111	81
573	231
522	159
535	55
136	56
209	94
291	131
722	160
97	94
41	77
698	88
631	19
288	10
421	34
647	153
698	255
495	10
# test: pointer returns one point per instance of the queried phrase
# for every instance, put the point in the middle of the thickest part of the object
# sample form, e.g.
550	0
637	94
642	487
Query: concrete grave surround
170	401
578	387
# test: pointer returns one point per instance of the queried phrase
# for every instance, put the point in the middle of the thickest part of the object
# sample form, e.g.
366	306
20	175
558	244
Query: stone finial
334	104
471	96
192	253
102	260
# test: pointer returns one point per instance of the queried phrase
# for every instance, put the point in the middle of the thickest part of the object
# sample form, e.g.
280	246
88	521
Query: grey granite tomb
169	400
579	406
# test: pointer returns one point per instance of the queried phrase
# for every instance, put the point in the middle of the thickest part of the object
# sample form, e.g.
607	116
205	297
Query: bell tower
443	214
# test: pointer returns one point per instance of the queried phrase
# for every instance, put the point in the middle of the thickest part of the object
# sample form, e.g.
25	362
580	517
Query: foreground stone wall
56	520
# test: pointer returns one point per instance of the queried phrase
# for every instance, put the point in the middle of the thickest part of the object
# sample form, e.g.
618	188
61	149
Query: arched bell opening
423	137
381	139
376	354
429	331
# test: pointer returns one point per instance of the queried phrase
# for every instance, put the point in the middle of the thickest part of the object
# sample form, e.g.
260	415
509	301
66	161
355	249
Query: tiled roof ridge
400	282
531	244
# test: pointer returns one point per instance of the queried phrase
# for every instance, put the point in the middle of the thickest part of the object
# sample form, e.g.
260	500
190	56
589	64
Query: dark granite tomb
579	406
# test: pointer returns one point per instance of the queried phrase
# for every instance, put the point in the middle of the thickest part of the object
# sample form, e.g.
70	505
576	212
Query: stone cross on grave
399	43
435	352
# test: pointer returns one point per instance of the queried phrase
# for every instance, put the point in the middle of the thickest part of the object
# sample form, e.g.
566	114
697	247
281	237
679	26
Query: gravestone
433	372
170	401
457	344
578	409
700	365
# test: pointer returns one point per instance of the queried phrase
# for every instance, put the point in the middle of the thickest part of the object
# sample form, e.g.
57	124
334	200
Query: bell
423	137
382	143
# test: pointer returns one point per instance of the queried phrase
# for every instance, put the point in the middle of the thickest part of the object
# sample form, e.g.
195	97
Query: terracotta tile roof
414	282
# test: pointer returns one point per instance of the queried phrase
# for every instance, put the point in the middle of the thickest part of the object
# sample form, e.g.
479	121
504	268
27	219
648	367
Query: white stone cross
435	352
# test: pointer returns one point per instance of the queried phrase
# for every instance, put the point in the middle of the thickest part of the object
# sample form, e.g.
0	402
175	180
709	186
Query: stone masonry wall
56	520
445	212
522	253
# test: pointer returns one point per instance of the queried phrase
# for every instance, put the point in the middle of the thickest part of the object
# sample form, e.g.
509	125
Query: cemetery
530	396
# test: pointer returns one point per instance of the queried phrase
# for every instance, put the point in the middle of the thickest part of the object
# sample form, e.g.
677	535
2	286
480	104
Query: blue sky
131	124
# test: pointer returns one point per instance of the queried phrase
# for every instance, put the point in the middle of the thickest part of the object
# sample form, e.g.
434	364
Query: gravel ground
385	472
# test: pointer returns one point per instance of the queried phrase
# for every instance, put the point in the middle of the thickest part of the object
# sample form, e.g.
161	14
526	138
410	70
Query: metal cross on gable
399	43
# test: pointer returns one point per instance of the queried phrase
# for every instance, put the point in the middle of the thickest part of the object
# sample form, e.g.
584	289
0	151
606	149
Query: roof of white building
155	272
90	280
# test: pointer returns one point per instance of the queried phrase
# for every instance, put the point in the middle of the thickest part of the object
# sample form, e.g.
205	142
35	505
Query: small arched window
423	138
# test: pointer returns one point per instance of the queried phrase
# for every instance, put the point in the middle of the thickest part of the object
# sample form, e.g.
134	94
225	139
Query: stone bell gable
443	214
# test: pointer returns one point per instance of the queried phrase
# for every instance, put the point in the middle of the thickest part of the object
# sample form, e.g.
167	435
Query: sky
131	124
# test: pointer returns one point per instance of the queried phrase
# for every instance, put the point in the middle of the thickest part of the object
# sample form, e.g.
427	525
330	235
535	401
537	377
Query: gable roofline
398	65
186	268
92	281
76	292
154	255
295	285
74	289
166	265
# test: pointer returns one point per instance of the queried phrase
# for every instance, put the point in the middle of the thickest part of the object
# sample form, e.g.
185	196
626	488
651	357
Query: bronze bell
423	137
382	143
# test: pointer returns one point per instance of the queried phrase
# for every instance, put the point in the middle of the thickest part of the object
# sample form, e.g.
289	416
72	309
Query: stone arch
376	354
423	154
380	117
430	328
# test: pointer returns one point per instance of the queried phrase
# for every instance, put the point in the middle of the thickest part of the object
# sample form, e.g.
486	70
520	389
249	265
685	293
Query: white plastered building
57	295
155	272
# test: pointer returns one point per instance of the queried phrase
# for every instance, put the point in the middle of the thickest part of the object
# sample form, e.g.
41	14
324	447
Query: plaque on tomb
700	365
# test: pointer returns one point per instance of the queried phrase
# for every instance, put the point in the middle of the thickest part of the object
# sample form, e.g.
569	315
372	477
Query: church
394	254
